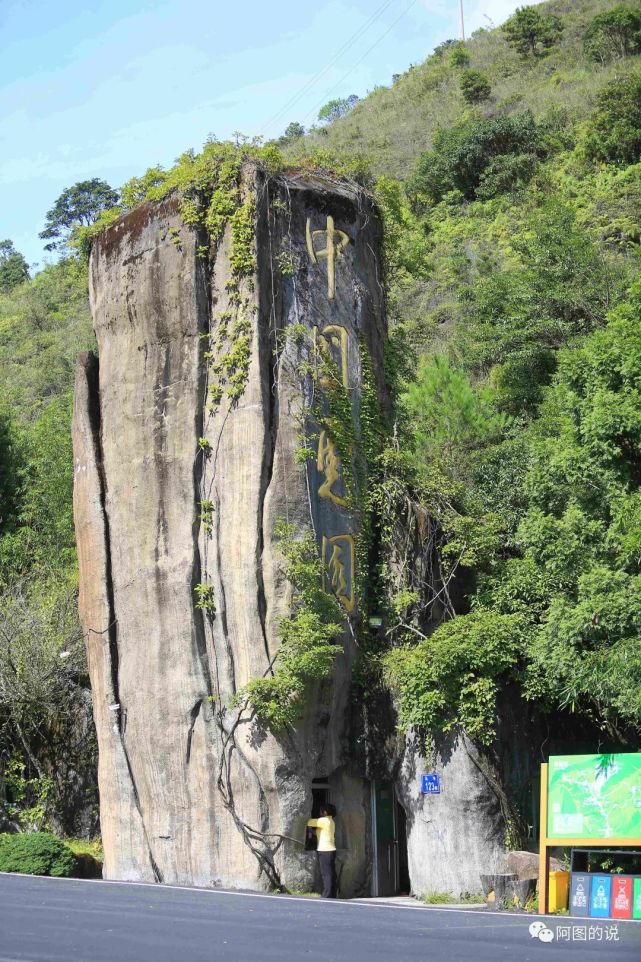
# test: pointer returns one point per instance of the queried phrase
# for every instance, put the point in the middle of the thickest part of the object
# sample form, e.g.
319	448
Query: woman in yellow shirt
326	848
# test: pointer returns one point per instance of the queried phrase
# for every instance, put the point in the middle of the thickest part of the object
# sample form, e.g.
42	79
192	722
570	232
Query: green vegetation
91	848
14	269
387	130
79	204
45	757
508	173
614	33
532	33
307	638
38	853
478	160
459	57
525	424
446	898
335	109
475	86
614	130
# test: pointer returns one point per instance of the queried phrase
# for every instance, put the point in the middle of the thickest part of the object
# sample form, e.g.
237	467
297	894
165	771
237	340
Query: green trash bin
636	898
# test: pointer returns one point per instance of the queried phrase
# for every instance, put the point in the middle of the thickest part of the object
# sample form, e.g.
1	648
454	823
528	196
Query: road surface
69	920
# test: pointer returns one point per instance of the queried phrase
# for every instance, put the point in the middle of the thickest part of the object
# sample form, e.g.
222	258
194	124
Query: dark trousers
327	863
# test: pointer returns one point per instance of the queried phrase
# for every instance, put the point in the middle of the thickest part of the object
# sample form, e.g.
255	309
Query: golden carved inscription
335	242
328	463
333	345
339	561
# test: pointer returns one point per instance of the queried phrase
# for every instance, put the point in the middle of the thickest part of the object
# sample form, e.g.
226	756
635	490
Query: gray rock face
192	791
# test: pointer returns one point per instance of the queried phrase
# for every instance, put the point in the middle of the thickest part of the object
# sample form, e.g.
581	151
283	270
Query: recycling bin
600	896
621	897
558	891
580	885
636	899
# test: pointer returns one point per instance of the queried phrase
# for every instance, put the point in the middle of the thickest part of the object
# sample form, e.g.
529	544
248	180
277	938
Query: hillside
512	233
393	125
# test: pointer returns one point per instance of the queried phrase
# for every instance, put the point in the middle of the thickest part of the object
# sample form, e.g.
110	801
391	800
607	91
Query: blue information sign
431	784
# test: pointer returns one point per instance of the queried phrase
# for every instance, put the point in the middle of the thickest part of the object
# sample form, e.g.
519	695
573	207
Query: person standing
326	848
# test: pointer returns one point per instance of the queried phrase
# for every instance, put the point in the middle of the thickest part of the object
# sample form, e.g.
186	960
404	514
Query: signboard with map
594	797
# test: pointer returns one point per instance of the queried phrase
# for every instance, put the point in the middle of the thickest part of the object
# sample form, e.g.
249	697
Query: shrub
614	129
37	853
454	675
465	156
475	86
89	856
459	57
614	33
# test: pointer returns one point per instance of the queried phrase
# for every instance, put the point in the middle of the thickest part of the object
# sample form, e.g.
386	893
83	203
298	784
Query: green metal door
386	840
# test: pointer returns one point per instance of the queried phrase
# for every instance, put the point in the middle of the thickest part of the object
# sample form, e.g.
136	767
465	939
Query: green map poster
594	796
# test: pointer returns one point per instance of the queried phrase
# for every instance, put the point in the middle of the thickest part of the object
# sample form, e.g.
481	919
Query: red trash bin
621	898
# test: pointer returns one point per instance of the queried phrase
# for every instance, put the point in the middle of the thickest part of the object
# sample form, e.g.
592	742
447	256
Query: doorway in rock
404	885
320	794
390	875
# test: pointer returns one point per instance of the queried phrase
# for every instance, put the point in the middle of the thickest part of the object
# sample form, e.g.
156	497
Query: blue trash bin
600	896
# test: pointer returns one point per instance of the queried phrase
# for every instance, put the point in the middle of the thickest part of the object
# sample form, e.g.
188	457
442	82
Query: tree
9	470
475	86
614	131
335	109
614	33
450	418
77	205
14	269
293	131
530	32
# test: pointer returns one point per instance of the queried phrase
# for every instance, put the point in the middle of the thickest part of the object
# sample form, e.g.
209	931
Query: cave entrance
389	842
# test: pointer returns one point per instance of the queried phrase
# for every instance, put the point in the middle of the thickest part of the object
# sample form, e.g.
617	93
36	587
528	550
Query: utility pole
462	22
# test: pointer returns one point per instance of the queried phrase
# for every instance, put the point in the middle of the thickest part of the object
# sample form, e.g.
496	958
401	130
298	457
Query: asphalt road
60	920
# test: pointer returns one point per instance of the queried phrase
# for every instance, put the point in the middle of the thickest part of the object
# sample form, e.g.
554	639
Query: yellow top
325	829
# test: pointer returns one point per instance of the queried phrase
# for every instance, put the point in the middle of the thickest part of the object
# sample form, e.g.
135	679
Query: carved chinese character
333	345
329	464
335	242
339	560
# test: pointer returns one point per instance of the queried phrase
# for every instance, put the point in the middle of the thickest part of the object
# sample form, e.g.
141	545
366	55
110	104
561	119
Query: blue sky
108	89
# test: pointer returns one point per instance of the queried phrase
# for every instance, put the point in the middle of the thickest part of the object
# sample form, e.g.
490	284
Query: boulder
457	835
526	864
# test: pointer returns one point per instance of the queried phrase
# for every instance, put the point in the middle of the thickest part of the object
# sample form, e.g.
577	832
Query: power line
360	60
346	46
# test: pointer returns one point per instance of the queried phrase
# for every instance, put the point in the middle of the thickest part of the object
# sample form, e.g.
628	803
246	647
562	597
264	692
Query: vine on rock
308	636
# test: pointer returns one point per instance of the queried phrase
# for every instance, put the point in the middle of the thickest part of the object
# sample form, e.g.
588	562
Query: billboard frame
545	843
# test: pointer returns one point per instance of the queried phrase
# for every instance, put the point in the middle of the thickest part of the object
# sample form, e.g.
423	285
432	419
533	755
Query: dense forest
508	173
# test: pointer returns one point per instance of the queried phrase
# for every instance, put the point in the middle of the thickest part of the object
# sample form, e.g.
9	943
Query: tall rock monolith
186	433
